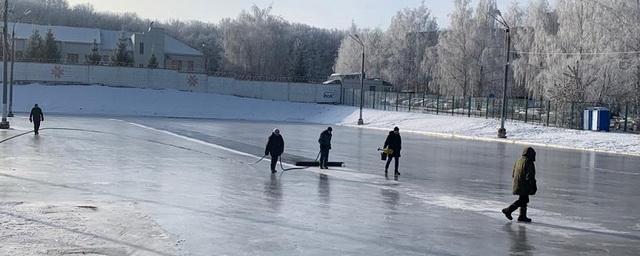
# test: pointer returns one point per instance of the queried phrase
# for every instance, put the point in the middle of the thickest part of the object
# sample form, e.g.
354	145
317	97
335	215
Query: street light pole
4	124
362	76
502	132
13	59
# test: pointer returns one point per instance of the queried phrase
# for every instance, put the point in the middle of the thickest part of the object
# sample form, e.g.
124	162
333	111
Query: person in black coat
325	146
275	148
36	117
393	142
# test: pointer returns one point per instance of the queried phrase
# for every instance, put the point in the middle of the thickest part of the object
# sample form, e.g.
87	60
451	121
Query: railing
625	116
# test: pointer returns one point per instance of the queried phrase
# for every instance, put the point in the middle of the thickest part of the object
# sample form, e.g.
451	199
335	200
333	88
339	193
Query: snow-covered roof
174	46
61	33
108	39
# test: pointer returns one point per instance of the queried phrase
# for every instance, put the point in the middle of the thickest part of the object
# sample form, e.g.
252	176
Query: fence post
385	102
424	96
397	100
526	110
453	106
486	113
353	97
571	126
469	108
438	104
626	116
374	100
548	112
410	97
493	108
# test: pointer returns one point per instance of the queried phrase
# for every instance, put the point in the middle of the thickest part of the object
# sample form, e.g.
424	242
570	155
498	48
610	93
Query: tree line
574	51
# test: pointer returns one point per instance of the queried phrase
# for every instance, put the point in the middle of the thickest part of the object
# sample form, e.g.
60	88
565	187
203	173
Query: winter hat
396	129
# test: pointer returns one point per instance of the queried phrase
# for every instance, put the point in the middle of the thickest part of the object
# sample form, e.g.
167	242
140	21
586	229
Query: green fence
625	116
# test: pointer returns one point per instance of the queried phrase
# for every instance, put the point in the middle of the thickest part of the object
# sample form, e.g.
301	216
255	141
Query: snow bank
102	100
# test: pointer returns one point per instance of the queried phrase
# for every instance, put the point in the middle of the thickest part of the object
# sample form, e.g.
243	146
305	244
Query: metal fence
625	116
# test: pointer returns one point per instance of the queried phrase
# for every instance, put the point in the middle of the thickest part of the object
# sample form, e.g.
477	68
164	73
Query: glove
266	153
30	121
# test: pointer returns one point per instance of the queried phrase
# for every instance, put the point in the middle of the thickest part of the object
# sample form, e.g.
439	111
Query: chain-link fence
624	116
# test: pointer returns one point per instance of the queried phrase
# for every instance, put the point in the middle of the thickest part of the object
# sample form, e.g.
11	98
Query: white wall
170	79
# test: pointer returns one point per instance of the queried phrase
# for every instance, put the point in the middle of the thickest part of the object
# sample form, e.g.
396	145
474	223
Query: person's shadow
391	198
518	237
273	192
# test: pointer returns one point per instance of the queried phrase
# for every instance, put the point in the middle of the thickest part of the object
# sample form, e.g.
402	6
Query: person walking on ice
275	148
36	117
393	144
524	184
325	146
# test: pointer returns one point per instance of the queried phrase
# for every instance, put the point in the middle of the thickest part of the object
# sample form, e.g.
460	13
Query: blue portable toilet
601	119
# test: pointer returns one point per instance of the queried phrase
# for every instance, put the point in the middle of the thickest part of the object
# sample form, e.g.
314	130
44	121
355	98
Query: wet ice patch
544	221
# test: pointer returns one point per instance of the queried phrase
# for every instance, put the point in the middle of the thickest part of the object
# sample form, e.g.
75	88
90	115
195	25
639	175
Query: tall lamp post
502	132
13	58
4	124
357	39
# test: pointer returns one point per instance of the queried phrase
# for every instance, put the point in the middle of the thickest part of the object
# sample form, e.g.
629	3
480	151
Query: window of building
72	58
141	48
176	64
190	66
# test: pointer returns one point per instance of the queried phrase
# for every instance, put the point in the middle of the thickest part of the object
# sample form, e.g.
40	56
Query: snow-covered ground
101	100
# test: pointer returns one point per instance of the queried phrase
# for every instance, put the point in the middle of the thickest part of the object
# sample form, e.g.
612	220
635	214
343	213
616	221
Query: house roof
61	33
174	46
107	39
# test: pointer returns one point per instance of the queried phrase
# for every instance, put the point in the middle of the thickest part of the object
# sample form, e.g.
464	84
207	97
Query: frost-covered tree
456	52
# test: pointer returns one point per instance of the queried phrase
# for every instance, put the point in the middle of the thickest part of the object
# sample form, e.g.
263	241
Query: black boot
397	173
507	212
523	215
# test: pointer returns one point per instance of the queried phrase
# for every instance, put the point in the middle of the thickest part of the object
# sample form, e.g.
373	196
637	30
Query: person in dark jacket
36	117
524	184
325	146
393	142
275	148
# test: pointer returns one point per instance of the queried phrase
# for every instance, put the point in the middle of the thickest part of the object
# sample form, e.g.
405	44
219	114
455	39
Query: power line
577	53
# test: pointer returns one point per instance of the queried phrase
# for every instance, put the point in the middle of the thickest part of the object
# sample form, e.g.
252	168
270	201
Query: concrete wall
171	79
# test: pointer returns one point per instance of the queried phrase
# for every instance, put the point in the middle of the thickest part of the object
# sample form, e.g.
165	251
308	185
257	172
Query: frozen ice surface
102	100
181	186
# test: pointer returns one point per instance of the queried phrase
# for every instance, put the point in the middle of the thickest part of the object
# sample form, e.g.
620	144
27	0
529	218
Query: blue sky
319	13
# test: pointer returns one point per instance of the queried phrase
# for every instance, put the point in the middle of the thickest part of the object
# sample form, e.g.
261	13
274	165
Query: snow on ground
102	100
65	228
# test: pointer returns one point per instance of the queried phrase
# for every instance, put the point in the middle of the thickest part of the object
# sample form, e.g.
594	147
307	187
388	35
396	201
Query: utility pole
4	124
359	41
502	132
13	59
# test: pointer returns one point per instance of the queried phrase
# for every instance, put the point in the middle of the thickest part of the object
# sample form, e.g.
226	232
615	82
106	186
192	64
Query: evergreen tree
35	46
153	62
94	57
121	55
51	53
